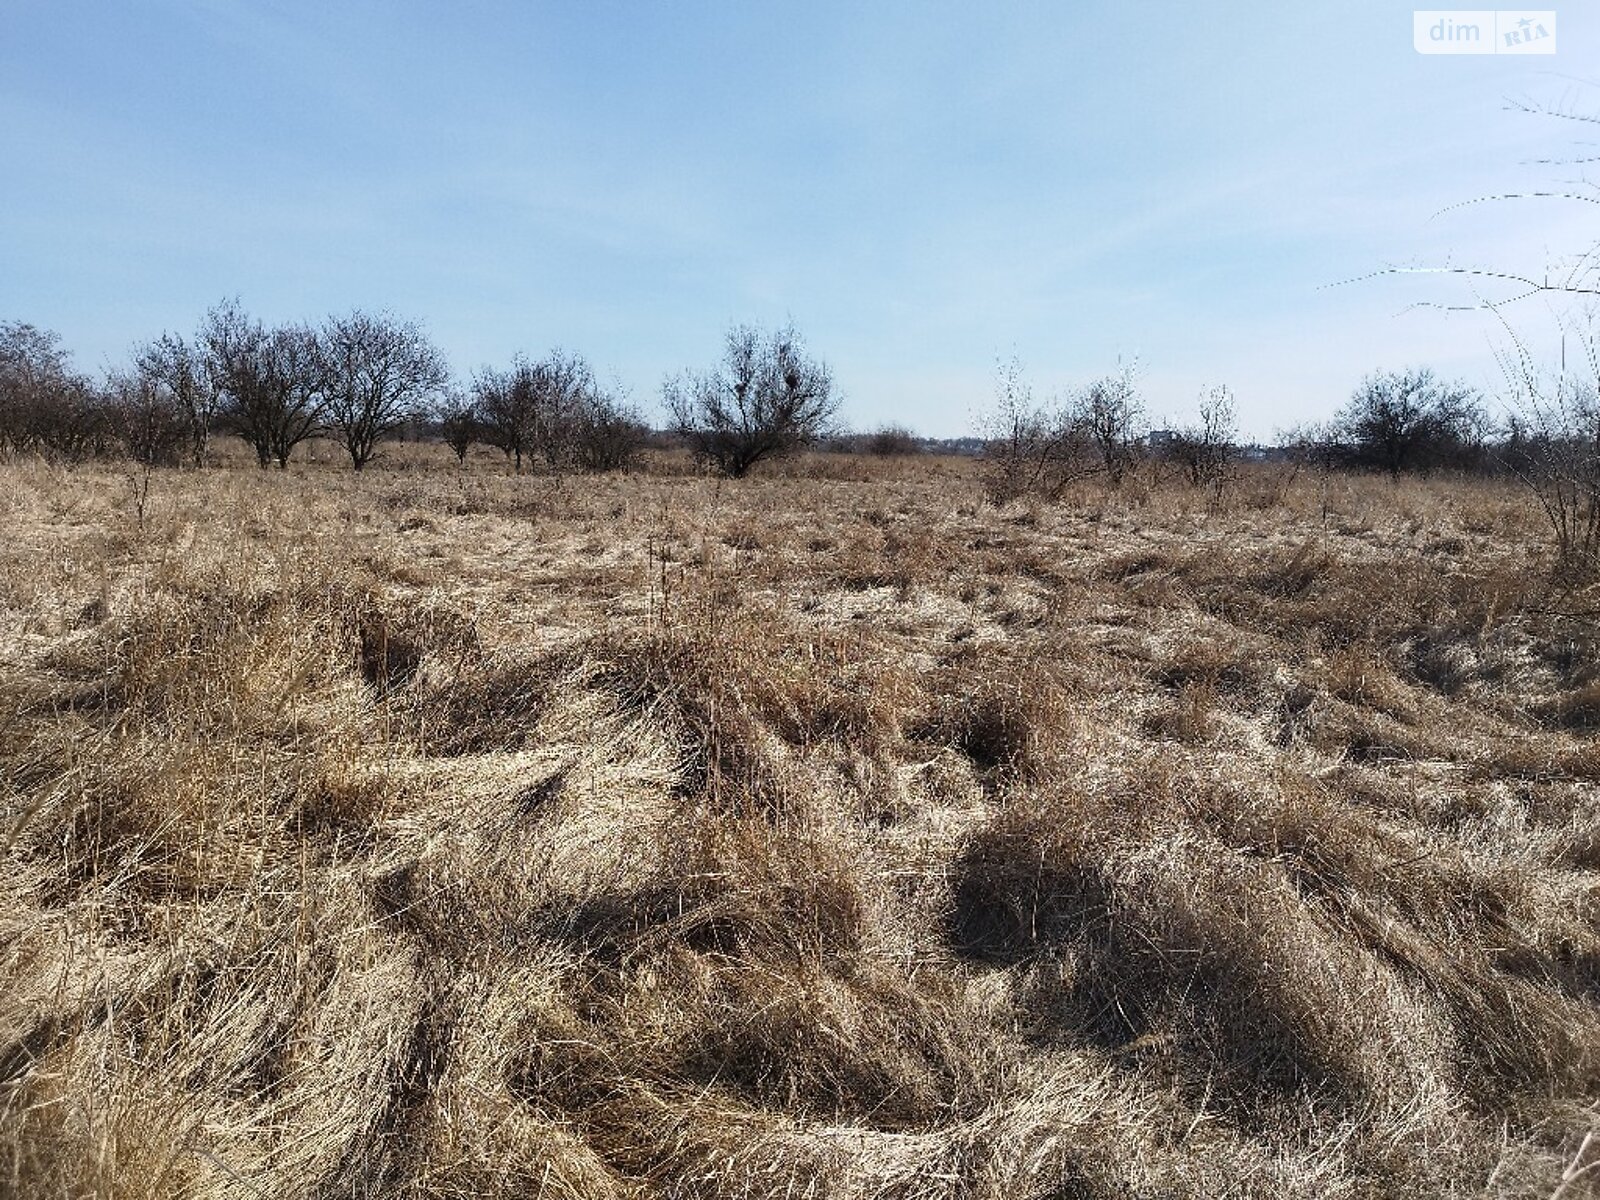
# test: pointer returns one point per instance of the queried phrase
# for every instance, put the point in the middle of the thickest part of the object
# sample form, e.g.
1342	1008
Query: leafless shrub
555	409
45	406
1204	450
603	432
768	398
1410	420
380	373
1029	448
273	384
149	420
1111	414
459	424
183	372
1555	450
892	440
1042	450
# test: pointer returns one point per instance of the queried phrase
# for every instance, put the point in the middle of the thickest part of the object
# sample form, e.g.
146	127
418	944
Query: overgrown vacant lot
423	833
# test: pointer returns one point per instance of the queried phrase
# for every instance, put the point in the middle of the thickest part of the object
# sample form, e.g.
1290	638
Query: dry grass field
827	833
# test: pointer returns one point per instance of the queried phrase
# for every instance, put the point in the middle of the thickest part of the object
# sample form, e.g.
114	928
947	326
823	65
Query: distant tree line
357	379
1396	423
361	378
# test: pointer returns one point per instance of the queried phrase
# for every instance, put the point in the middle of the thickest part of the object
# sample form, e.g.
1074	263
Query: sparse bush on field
182	373
516	408
1042	449
1410	421
1312	444
1029	449
1561	465
459	424
45	406
1111	414
1204	450
767	398
1554	448
556	410
150	423
603	432
891	440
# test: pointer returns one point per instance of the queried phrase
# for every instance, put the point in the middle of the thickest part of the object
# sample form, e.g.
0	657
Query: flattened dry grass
445	834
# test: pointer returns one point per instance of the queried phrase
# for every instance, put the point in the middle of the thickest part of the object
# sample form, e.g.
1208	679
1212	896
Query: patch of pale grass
444	832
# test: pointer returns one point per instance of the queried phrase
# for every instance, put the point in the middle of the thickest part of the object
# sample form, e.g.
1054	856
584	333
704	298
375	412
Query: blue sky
921	187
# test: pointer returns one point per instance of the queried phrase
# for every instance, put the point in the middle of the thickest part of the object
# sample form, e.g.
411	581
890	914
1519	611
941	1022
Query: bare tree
605	433
459	424
34	371
45	405
379	374
1203	449
1029	448
1410	420
1554	447
147	419
767	398
1110	413
565	389
297	386
272	383
512	407
72	421
234	345
182	370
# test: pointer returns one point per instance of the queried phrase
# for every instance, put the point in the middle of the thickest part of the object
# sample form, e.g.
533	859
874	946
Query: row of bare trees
1041	449
1396	422
553	411
767	397
357	378
361	377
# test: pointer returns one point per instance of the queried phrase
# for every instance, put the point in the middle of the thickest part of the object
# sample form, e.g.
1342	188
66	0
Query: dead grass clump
1445	662
1031	878
391	644
1205	679
1170	949
1577	710
1580	847
487	704
1224	667
868	1044
1011	724
1509	1002
747	969
1292	576
747	709
343	805
1359	675
1190	717
729	755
